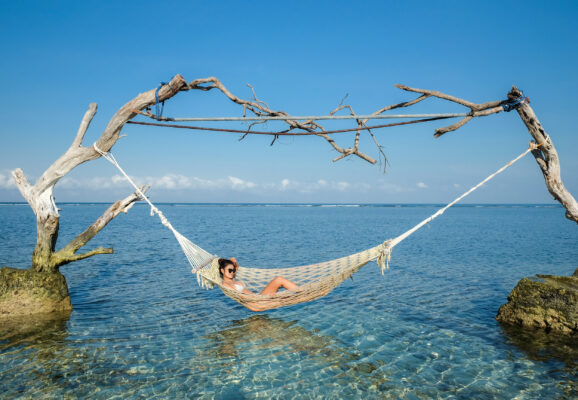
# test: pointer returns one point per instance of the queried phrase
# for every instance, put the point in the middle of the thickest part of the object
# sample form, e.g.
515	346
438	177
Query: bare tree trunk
547	157
45	258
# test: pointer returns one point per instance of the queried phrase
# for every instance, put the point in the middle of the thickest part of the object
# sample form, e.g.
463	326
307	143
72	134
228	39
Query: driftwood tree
47	259
546	155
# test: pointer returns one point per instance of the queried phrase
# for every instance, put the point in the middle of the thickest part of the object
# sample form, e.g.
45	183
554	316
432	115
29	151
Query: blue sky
301	57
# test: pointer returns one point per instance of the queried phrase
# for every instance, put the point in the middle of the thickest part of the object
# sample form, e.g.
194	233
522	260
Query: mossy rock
544	301
25	292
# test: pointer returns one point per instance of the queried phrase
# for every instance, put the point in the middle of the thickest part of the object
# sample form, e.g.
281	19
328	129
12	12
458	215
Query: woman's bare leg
277	283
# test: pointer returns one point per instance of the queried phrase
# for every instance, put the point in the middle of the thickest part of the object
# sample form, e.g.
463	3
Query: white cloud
6	182
167	182
392	188
173	182
285	184
240	184
456	185
421	185
92	183
116	179
342	186
320	184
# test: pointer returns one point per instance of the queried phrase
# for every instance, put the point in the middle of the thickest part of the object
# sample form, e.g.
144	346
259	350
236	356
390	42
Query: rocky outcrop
25	292
544	301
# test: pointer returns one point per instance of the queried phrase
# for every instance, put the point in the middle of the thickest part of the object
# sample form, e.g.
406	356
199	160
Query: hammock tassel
384	255
208	275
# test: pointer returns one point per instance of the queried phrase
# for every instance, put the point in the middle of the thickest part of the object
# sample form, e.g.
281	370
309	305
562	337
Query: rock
544	301
25	292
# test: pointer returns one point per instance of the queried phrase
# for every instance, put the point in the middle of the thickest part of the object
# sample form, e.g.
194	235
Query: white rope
389	245
317	117
198	257
154	210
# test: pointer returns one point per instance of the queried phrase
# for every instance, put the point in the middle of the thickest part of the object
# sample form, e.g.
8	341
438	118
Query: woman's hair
223	262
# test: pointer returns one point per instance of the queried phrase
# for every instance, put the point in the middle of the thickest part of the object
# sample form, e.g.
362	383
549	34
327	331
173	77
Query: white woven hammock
315	280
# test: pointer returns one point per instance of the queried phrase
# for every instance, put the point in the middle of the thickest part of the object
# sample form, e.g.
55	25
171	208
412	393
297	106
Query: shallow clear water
142	328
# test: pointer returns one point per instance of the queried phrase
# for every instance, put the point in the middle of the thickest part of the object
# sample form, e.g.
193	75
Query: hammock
314	280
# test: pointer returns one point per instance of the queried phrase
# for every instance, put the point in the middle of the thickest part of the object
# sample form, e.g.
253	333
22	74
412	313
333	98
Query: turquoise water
142	328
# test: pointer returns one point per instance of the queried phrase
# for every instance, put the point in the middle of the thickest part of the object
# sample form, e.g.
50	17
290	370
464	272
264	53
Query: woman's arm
245	290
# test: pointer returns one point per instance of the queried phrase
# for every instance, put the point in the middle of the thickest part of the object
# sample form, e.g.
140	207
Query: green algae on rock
544	301
25	292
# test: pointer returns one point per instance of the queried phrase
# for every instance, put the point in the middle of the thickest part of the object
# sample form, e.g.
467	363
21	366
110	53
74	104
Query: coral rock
544	301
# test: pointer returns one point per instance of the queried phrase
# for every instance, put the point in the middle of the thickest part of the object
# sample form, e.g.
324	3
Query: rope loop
99	151
159	110
512	104
534	146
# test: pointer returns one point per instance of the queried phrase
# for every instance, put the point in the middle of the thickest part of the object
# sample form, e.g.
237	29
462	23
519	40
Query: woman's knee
279	280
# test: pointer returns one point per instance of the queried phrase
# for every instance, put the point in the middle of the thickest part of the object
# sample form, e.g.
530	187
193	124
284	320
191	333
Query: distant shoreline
181	204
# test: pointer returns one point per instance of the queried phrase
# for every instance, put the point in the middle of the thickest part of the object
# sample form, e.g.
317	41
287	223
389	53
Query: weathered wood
547	157
68	253
77	154
260	108
40	195
476	110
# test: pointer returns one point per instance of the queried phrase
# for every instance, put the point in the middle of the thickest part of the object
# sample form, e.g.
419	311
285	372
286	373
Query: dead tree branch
68	253
260	108
40	195
476	110
545	155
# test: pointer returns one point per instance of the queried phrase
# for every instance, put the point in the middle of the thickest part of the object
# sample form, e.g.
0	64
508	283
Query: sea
426	329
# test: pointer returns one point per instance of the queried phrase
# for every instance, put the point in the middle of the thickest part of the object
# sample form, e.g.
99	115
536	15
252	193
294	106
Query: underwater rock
25	292
544	301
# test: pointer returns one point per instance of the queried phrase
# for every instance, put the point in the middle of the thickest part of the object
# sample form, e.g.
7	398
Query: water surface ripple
142	328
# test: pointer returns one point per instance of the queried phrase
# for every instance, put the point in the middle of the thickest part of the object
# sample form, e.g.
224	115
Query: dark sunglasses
231	270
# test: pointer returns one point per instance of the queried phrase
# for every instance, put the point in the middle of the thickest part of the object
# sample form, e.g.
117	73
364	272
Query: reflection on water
40	339
268	343
261	333
541	346
33	330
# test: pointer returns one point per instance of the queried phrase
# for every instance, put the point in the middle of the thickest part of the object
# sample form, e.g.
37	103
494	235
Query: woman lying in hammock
228	271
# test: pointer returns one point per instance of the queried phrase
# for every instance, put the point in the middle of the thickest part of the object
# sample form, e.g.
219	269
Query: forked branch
68	253
476	110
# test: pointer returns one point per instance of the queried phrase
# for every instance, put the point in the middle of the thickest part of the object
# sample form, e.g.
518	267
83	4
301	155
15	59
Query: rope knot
384	255
161	216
